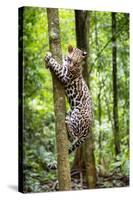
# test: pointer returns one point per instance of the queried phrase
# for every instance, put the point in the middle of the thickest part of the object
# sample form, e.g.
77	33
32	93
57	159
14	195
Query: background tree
115	93
59	104
82	19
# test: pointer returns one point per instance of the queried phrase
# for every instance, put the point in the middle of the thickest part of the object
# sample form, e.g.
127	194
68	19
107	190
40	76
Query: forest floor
79	183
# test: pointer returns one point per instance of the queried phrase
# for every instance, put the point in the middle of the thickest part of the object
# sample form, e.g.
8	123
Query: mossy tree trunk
82	19
59	104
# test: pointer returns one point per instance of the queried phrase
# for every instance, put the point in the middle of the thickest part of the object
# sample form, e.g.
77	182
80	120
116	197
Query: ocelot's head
76	56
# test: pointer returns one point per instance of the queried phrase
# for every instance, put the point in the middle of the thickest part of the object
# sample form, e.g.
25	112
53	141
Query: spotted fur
79	119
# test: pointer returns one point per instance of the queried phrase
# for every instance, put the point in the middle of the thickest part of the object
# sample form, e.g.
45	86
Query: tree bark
82	34
59	104
115	87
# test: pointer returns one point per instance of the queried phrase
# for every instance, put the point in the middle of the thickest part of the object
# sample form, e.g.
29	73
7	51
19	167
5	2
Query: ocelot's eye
84	53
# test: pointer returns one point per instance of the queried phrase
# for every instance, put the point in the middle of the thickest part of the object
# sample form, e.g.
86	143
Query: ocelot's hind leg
79	141
76	144
69	128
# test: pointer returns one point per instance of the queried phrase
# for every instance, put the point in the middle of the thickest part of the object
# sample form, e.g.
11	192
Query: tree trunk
115	94
59	104
90	161
82	32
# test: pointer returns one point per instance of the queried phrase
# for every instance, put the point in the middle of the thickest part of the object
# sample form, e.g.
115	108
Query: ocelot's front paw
48	56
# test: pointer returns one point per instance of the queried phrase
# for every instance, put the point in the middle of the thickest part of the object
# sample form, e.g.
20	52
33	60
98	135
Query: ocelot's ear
70	48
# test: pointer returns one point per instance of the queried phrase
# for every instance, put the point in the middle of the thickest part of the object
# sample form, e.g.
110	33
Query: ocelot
79	119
